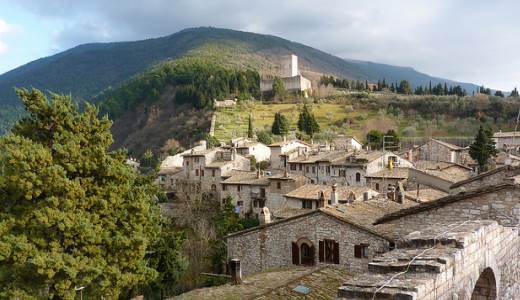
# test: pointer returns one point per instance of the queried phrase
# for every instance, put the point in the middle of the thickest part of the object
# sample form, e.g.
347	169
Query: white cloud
5	28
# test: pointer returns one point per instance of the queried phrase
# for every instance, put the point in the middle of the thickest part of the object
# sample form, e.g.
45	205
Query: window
307	204
313	169
238	188
196	160
306	169
329	251
240	203
212	173
163	178
377	186
197	172
279	185
201	173
187	163
358	177
342	173
327	169
300	167
223	187
293	167
213	187
361	251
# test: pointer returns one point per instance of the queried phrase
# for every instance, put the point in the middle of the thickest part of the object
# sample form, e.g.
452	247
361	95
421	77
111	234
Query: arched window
486	286
358	177
213	187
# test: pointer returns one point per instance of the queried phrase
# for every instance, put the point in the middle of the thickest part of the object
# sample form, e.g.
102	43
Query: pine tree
307	122
280	124
514	93
250	131
483	148
72	213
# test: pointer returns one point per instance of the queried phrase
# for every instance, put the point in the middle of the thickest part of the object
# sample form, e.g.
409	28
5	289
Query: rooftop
501	134
399	173
312	191
323	283
448	145
425	195
169	170
325	156
247	178
283	143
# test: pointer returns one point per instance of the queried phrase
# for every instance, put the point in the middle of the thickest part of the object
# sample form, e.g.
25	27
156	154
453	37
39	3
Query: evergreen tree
278	87
250	132
307	122
280	124
374	139
514	93
72	213
265	137
499	94
404	87
445	90
483	148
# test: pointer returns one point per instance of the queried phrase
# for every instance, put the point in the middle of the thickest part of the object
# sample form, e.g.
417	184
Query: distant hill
86	70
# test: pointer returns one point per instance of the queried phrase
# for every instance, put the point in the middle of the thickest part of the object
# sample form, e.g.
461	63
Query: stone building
249	148
342	142
507	140
282	152
210	167
436	150
386	180
308	196
249	191
339	235
290	75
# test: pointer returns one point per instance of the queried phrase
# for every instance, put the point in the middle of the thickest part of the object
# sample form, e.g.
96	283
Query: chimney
334	194
236	272
321	199
267	216
257	172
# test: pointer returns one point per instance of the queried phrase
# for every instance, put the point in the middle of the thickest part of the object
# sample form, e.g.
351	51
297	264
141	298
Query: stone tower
289	66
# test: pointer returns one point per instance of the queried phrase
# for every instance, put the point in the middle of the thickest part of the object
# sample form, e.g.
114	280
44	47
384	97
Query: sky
473	41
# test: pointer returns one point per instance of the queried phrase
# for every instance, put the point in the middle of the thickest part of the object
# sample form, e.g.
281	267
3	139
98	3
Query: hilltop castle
290	76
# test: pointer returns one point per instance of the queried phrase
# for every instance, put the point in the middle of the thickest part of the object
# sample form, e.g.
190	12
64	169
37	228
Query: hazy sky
473	41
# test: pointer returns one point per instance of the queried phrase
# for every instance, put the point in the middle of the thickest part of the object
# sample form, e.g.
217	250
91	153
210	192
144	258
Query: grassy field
339	118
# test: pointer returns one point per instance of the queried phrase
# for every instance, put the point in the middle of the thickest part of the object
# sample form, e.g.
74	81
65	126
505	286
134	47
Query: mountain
86	70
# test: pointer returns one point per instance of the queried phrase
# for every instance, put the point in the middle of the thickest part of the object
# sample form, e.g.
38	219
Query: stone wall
501	205
270	246
454	258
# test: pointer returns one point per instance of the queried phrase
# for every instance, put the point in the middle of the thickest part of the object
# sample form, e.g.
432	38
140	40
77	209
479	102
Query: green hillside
87	70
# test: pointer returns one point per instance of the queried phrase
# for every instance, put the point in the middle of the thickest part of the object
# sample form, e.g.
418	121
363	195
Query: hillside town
365	151
349	208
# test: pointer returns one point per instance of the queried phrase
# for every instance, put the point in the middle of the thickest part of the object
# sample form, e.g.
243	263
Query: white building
248	148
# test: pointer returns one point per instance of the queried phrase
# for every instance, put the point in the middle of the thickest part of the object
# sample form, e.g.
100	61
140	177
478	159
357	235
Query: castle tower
289	66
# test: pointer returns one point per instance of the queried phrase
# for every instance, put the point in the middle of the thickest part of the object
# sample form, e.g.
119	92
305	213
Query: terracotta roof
288	212
448	175
506	134
312	191
441	202
247	178
399	173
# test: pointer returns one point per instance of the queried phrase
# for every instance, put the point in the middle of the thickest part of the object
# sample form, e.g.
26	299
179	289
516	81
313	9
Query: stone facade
270	246
436	150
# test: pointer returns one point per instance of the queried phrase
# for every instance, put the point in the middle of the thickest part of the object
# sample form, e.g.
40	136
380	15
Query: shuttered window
361	251
295	254
329	251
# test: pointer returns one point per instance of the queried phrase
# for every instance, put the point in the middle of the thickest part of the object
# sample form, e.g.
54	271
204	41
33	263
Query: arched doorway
303	252
486	286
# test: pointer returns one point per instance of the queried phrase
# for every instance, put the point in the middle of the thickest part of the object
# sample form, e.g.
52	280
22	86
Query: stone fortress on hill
290	75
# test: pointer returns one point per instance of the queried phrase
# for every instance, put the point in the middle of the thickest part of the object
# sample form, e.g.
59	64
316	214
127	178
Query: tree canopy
307	122
280	124
72	213
483	148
